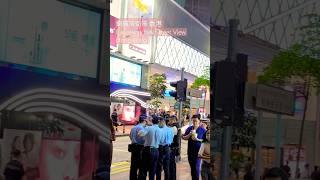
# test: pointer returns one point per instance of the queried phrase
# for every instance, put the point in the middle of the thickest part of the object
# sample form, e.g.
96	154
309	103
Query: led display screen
128	113
58	37
124	72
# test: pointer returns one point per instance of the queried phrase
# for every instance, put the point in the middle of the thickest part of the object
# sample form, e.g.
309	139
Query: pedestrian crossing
120	167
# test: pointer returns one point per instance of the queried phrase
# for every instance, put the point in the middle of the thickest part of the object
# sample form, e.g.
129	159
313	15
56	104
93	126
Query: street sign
195	93
275	100
268	98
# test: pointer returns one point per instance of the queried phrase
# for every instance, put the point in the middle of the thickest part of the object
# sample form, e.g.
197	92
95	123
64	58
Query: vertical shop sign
113	35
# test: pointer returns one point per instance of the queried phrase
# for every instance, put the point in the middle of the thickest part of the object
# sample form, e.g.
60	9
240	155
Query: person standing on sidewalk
114	118
174	147
164	150
136	147
204	154
194	134
152	136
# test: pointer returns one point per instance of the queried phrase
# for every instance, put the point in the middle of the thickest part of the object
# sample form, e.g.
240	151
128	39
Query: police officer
164	150
136	147
152	136
174	147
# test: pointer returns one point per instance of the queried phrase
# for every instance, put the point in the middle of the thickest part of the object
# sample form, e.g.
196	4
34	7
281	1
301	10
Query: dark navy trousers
135	166
164	162
194	163
149	163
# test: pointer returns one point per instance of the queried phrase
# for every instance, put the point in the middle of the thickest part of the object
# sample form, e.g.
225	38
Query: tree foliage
298	67
157	88
203	80
292	67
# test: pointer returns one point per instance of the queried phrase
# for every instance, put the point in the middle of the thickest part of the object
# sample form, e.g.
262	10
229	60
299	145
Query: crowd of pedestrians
155	147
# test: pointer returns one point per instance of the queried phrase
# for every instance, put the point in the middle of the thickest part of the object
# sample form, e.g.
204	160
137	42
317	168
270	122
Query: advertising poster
118	107
125	72
65	131
290	157
28	144
128	113
88	157
113	35
59	159
140	8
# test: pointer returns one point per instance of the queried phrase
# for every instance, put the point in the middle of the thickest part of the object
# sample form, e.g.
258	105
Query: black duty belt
163	146
150	147
136	144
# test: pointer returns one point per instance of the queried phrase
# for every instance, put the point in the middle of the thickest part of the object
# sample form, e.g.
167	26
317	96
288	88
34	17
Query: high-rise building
198	8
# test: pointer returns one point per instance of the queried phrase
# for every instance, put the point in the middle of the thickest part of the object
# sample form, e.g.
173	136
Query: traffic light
174	93
241	78
224	85
228	90
182	90
180	94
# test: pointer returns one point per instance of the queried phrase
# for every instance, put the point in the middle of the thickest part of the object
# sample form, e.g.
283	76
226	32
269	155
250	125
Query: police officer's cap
142	118
161	118
155	119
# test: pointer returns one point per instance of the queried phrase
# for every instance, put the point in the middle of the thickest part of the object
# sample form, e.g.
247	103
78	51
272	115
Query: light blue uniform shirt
152	136
135	139
167	135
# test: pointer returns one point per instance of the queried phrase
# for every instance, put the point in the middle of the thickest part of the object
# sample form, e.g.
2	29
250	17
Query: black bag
175	151
130	147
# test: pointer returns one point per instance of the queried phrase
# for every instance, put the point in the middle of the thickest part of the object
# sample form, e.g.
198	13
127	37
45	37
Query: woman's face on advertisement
17	144
61	160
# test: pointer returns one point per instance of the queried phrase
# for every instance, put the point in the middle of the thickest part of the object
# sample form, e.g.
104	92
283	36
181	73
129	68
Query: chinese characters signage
139	30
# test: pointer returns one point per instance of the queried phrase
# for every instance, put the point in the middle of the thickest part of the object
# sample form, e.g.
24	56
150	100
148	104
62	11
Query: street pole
278	141
180	116
204	102
258	146
227	131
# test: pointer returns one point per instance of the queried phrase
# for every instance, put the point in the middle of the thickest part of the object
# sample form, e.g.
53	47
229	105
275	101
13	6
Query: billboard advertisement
28	144
125	72
59	159
128	113
140	8
113	35
64	42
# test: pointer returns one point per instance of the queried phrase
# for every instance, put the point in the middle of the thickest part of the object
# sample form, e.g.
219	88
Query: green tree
298	67
157	88
203	80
